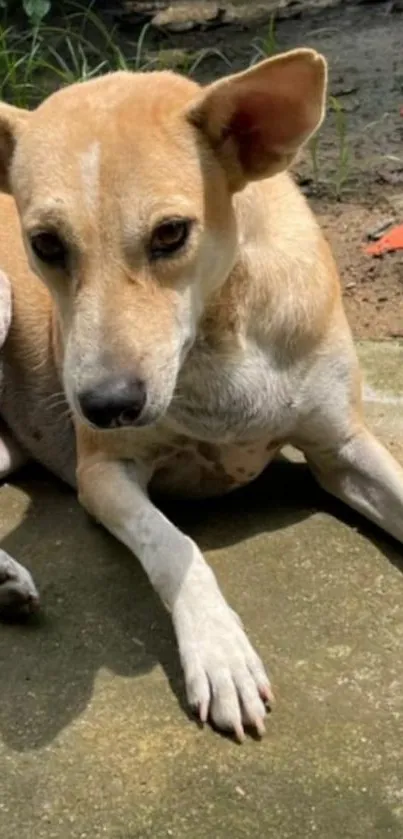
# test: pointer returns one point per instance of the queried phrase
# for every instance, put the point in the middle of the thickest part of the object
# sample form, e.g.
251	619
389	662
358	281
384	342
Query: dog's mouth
126	419
123	421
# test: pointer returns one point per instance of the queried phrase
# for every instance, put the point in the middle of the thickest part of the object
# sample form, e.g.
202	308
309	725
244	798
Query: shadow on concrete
283	495
98	609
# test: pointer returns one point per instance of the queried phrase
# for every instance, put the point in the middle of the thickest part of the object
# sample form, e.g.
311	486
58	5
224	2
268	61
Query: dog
171	317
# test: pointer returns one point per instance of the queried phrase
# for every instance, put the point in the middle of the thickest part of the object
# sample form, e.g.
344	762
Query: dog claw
260	727
239	734
203	712
267	695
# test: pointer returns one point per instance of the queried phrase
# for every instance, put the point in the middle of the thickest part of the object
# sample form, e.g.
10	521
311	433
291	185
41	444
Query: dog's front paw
18	594
225	678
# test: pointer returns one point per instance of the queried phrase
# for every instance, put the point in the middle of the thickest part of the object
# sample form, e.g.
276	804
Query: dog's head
124	189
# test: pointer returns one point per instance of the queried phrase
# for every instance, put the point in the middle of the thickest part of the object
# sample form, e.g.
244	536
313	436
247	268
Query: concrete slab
95	741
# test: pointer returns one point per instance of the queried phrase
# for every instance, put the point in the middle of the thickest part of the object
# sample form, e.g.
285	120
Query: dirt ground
363	44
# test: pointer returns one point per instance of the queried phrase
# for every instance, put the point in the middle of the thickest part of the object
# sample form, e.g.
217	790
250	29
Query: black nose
113	402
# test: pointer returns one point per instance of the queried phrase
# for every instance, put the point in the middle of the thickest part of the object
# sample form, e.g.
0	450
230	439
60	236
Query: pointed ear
12	121
257	120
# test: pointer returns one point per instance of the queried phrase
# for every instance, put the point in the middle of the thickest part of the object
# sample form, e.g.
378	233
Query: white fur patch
90	165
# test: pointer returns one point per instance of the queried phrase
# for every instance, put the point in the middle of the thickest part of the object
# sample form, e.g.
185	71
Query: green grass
343	165
314	150
44	57
339	177
268	45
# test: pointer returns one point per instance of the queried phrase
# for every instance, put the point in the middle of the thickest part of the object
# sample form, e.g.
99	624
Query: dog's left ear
257	120
12	122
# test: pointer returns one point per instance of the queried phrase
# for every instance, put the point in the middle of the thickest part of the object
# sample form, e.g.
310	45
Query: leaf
36	10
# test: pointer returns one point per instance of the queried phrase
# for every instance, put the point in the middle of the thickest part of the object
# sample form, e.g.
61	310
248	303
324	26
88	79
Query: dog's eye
49	248
169	236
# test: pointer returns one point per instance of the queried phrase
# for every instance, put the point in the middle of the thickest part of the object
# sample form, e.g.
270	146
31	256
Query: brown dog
194	324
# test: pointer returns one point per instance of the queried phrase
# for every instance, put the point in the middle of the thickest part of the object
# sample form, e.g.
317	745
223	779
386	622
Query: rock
389	175
395	201
186	15
375	233
169	59
181	17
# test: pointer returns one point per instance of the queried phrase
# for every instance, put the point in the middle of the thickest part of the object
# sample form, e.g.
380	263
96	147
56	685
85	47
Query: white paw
225	678
18	594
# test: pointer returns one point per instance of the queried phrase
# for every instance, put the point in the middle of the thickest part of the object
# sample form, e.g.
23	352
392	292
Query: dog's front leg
18	593
225	679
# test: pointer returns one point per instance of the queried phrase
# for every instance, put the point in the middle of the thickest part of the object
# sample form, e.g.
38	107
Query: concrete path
94	739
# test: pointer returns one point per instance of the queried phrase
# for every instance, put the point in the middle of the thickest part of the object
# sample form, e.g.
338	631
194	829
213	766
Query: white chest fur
226	398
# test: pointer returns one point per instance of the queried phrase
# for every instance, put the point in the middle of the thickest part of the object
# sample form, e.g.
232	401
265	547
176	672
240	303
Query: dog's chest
234	398
231	417
197	469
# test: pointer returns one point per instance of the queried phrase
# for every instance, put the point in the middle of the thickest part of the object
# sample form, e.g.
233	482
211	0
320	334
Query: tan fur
240	338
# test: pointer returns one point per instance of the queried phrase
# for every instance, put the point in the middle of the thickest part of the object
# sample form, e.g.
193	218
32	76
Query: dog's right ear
12	123
257	120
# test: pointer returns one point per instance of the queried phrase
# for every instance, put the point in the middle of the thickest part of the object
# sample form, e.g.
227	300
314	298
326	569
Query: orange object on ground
391	241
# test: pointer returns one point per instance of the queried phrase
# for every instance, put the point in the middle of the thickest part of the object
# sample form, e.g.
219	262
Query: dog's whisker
58	395
39	365
67	414
54	402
